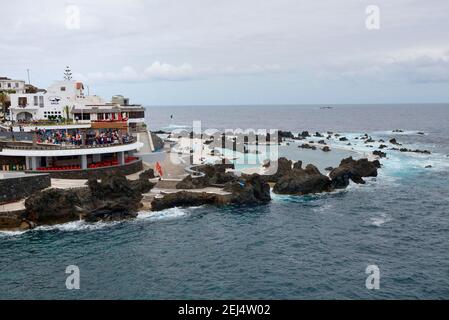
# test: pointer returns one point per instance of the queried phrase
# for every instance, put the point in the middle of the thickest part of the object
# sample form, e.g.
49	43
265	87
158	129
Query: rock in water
282	166
298	181
301	182
297	165
115	197
307	146
183	199
251	189
54	206
214	175
379	153
13	221
354	170
394	141
285	134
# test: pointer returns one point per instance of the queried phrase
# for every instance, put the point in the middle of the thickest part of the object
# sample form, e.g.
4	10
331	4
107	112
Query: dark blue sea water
314	247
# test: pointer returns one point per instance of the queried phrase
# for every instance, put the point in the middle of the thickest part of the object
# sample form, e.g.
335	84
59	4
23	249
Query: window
41	101
17	84
100	116
82	116
62	88
136	114
36	100
9	84
23	101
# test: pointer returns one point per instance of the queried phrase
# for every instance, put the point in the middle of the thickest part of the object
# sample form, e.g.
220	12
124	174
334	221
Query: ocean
310	247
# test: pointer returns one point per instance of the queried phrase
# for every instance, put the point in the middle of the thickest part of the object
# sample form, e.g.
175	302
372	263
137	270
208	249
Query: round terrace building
71	161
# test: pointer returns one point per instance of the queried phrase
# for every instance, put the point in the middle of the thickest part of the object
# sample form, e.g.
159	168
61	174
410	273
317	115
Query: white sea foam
398	163
325	208
77	226
11	233
404	133
167	214
379	220
176	126
65	227
304	198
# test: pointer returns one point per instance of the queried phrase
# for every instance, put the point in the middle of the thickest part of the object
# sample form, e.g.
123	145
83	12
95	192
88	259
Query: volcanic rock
354	170
301	182
379	153
114	197
148	174
393	141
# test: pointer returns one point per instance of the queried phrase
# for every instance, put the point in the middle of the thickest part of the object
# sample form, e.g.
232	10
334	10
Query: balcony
25	107
65	146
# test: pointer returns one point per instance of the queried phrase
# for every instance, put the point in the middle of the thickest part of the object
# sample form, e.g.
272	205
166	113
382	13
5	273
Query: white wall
17	85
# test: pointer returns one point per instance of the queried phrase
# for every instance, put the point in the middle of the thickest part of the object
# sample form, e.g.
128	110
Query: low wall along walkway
19	187
97	173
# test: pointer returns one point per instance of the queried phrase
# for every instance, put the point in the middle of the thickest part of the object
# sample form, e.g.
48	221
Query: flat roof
103	110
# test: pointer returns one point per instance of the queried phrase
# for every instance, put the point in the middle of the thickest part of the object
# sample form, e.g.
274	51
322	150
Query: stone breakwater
290	178
116	198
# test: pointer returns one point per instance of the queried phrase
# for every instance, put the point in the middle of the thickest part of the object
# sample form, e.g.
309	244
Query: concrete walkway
67	183
14	206
212	190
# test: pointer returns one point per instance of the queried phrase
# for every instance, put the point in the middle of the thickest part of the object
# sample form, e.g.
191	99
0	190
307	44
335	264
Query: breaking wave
167	214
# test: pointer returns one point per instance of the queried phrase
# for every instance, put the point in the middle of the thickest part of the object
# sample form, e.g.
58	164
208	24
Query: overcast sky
173	52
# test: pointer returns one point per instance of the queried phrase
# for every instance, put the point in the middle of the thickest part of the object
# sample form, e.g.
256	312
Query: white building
9	85
65	99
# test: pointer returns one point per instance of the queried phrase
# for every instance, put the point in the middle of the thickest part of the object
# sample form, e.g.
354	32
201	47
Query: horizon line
296	104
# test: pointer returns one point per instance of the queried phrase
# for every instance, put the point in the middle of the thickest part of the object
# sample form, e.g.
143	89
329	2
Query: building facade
66	100
12	86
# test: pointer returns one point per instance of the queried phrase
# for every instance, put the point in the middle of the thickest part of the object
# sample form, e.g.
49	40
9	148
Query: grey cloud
196	39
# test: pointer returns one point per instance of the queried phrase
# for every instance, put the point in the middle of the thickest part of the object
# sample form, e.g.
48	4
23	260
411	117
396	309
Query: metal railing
39	146
194	172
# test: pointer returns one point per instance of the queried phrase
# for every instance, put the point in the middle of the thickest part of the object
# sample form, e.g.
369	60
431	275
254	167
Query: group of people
59	136
75	137
109	137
